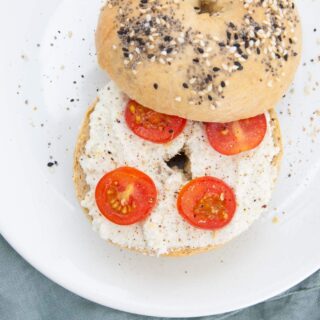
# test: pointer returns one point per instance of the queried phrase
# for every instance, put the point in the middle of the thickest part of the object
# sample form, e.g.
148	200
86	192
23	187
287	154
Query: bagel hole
181	162
208	6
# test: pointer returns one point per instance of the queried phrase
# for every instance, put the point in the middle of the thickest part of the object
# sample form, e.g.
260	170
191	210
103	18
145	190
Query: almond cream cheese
112	144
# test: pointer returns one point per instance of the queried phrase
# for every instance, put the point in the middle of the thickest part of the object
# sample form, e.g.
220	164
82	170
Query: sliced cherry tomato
238	136
125	196
151	125
207	203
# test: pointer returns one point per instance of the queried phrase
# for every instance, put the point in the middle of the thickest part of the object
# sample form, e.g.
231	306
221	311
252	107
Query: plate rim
136	309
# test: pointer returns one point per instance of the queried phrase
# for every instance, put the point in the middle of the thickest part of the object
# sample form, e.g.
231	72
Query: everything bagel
216	61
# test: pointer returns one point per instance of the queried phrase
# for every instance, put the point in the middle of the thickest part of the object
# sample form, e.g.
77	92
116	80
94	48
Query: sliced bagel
214	60
83	188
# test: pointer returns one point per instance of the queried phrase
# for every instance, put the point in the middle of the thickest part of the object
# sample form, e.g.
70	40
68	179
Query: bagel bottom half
82	187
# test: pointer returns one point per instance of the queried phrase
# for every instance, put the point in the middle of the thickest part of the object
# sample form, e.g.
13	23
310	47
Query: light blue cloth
25	294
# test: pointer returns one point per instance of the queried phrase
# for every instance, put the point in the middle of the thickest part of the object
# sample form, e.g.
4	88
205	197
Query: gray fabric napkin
25	294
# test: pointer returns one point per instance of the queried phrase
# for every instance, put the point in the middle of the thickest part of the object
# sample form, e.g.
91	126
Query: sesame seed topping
152	32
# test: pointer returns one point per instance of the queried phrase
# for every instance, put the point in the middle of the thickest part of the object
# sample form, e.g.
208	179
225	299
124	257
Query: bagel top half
216	61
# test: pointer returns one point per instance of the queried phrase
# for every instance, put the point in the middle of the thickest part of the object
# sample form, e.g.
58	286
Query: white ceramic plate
48	78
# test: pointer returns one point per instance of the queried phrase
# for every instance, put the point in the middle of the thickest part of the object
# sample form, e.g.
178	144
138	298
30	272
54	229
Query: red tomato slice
126	196
207	203
238	136
153	126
